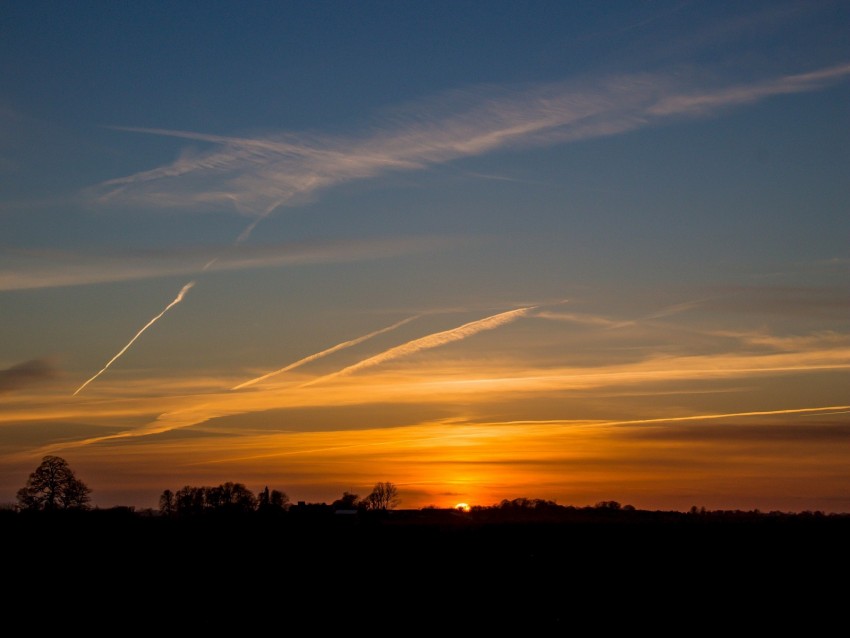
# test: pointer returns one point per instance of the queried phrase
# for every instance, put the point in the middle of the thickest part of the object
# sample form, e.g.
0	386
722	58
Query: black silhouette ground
436	568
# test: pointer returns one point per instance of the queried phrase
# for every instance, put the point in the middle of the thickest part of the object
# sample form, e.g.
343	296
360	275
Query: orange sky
660	431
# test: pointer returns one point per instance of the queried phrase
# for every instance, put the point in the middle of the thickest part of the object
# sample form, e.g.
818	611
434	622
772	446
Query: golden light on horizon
463	507
449	461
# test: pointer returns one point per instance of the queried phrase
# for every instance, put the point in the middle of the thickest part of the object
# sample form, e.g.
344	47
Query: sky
576	251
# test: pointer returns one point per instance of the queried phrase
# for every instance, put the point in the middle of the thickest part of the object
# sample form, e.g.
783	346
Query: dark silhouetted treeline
233	501
520	567
221	559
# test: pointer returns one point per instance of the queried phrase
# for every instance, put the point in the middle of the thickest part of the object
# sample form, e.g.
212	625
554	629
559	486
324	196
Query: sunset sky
577	251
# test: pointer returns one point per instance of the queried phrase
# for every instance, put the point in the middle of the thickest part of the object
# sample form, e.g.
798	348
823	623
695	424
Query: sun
462	507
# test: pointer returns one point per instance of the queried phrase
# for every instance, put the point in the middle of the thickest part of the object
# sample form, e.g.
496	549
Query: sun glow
462	507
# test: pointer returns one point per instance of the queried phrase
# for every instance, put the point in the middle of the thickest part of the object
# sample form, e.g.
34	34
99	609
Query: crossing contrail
431	341
260	175
324	353
242	237
176	301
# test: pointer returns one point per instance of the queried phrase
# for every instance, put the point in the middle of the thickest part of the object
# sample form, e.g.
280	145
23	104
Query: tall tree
189	500
54	486
235	497
279	499
167	503
384	496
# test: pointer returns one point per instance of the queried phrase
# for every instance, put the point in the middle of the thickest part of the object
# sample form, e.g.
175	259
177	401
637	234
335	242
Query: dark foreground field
432	569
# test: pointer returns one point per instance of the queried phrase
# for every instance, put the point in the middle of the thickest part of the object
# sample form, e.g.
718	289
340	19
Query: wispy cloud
474	384
29	269
814	301
25	374
789	343
224	405
606	322
256	175
325	353
430	341
707	102
580	318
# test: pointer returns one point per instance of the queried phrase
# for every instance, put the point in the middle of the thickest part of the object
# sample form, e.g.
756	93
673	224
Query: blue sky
658	190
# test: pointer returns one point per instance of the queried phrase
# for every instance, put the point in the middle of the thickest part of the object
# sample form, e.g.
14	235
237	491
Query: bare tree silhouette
167	503
384	496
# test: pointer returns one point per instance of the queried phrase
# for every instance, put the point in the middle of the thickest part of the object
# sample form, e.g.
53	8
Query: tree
608	505
233	497
263	498
227	497
279	499
53	486
189	500
384	496
167	503
347	502
272	500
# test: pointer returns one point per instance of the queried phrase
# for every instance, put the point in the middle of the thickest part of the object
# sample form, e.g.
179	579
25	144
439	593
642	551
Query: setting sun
462	507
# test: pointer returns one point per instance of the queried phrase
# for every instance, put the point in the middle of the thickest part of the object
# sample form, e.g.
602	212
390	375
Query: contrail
828	410
431	341
176	301
242	237
324	353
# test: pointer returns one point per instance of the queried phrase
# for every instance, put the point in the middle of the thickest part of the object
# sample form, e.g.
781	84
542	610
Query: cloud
580	318
25	374
804	301
704	103
229	404
255	175
30	269
758	434
789	343
326	352
605	322
479	385
430	341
